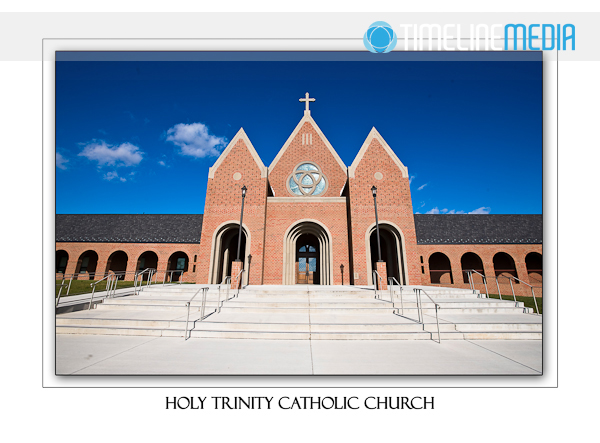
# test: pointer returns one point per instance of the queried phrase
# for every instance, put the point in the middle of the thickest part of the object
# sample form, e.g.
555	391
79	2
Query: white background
94	414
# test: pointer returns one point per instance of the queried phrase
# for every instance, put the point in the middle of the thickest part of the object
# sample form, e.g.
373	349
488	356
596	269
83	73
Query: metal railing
227	283
239	281
437	307
470	273
109	283
62	285
375	281
140	274
391	283
510	279
201	309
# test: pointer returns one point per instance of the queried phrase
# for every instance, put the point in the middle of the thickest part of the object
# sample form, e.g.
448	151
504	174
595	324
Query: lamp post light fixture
374	191
244	189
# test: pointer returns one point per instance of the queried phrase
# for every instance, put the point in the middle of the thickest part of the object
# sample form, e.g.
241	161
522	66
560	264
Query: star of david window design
307	179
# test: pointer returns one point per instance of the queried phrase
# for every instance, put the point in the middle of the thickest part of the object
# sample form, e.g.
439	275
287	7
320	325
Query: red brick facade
337	225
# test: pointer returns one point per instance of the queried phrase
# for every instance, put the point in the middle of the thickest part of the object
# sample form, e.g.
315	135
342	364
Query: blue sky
139	136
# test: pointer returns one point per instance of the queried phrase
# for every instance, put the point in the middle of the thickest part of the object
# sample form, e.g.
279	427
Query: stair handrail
437	306
62	284
239	282
391	281
136	276
472	283
202	307
227	282
375	282
510	279
108	278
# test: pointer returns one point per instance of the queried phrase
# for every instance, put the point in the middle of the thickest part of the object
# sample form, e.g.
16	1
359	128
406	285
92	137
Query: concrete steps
303	313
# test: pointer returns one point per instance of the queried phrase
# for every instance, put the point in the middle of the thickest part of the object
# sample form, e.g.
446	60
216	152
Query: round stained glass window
307	179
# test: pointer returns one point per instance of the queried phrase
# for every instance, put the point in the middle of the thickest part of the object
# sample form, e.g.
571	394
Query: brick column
382	270
236	267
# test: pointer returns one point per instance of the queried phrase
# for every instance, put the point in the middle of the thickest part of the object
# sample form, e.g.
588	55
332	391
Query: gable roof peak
375	135
307	119
241	135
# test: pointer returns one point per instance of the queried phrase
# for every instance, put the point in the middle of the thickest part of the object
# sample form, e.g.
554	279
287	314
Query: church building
307	218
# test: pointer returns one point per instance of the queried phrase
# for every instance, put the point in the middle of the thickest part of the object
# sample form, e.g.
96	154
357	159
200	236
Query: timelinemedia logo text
380	37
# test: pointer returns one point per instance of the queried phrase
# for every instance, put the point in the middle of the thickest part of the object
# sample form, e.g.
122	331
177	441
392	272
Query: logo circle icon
380	37
307	179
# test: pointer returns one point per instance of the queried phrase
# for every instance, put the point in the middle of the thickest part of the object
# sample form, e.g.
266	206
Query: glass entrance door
306	265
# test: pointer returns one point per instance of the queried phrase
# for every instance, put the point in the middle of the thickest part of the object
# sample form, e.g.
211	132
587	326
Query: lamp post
374	191
244	189
342	270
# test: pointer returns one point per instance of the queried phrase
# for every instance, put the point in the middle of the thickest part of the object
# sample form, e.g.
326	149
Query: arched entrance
62	258
178	261
504	265
117	262
307	254
533	262
440	270
469	261
392	252
87	262
307	260
148	260
225	251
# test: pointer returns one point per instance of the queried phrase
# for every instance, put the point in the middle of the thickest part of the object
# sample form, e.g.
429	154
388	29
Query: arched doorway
178	261
504	265
440	270
469	261
307	247
87	262
392	252
148	260
308	265
225	247
62	258
533	262
117	262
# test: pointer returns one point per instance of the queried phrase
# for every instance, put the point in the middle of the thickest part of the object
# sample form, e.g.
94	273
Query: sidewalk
135	355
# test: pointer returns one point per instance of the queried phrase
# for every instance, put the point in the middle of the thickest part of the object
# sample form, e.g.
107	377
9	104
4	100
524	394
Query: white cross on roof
306	99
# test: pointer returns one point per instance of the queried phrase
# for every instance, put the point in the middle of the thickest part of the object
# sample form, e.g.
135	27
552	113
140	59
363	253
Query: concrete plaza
142	355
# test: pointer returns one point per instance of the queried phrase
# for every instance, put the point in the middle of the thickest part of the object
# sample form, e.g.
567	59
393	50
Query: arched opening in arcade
147	260
117	263
392	253
533	262
62	258
504	266
87	263
225	250
440	270
471	261
307	256
177	265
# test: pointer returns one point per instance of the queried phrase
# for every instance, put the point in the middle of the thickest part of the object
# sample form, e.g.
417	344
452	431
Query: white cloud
61	162
195	140
482	210
410	179
454	211
162	163
443	211
422	186
124	154
110	175
433	211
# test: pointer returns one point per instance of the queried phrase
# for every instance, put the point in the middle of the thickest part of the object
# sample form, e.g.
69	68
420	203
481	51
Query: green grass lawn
527	300
83	286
